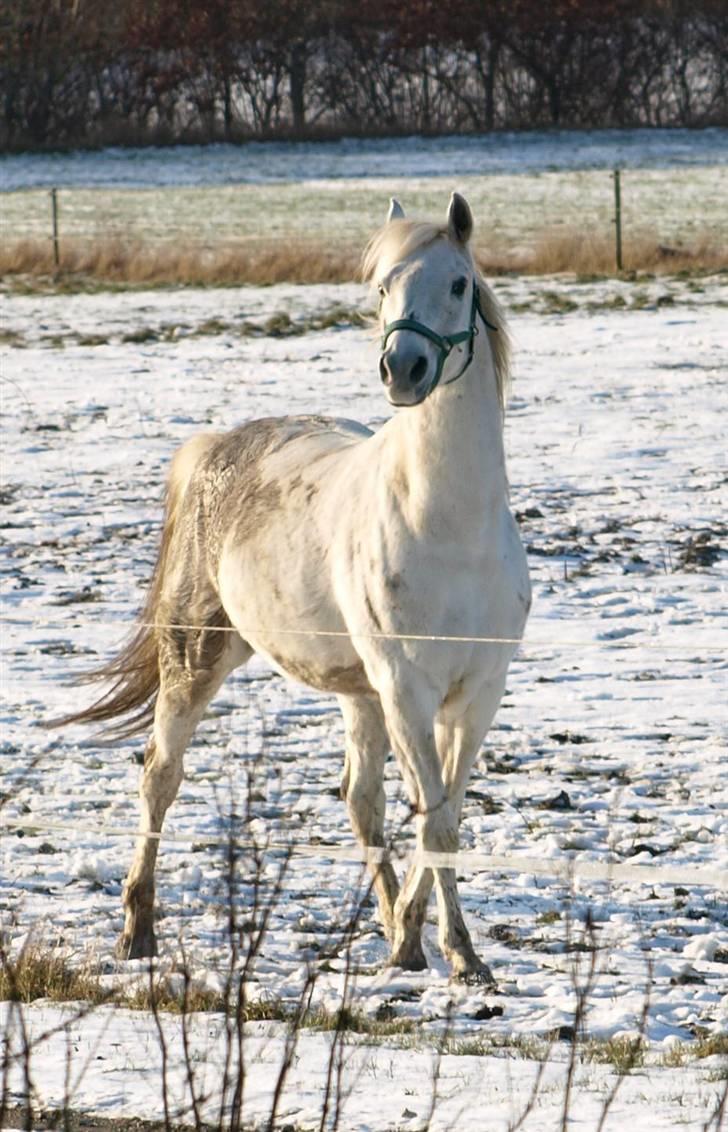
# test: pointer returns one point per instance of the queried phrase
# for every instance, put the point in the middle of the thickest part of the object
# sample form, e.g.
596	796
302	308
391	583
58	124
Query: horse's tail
134	673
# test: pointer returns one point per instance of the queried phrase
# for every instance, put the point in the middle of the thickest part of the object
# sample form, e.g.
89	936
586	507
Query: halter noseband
444	342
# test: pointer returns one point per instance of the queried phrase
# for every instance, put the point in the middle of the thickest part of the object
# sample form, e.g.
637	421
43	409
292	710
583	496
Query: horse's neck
450	460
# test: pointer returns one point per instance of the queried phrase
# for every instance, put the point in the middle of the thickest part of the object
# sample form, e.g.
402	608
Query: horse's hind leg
185	691
367	746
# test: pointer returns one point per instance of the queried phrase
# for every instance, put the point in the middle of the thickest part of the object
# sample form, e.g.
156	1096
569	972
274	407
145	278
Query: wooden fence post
618	217
54	214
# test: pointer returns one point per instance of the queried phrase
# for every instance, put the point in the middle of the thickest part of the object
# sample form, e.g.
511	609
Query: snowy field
674	188
676	206
501	152
608	745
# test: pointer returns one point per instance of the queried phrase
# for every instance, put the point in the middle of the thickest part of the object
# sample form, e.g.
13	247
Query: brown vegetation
559	251
43	972
118	261
123	263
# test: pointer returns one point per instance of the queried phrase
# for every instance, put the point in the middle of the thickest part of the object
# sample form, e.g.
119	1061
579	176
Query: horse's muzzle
406	373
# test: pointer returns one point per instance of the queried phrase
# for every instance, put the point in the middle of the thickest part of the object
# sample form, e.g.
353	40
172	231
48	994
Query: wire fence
566	868
616	642
607	203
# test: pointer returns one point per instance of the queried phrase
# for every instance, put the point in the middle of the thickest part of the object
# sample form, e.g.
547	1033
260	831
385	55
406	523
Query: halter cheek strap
444	342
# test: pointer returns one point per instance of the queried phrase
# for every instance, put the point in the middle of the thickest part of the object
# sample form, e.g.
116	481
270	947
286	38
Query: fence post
618	217
54	214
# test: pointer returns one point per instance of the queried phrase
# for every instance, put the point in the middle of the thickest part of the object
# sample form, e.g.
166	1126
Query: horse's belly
322	672
314	653
281	607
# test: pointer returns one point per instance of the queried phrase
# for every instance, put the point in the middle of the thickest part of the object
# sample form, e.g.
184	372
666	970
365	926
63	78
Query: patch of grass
624	1054
675	1057
42	972
614	303
171	997
522	1045
358	1022
555	303
471	1047
280	325
684	1053
209	326
716	1045
143	334
551	917
339	316
93	340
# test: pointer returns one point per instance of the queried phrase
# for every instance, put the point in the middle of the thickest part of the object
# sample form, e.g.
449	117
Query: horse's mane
400	238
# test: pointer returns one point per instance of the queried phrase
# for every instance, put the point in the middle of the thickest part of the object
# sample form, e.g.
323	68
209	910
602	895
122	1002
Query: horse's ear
396	212
459	219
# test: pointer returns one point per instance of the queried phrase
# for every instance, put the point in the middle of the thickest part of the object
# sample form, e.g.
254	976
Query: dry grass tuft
356	1021
133	263
177	995
42	972
624	1054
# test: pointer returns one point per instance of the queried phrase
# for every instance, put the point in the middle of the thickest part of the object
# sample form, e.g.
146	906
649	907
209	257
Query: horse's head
429	301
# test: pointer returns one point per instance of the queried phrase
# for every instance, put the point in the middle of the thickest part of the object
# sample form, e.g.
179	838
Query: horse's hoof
475	975
411	959
140	945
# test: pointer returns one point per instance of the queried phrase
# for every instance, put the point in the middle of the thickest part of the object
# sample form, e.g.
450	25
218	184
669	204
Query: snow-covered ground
534	151
382	1089
608	745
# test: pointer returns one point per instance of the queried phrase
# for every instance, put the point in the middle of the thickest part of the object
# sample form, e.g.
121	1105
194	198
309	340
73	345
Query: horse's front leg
457	742
409	707
459	738
362	787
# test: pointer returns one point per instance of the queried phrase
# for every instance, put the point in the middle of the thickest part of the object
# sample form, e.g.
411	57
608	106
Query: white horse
382	540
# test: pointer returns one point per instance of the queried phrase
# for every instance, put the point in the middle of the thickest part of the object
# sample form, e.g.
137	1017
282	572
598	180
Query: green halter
444	342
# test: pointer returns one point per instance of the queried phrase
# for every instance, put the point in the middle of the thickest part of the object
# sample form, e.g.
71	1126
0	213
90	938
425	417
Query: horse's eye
381	290
458	287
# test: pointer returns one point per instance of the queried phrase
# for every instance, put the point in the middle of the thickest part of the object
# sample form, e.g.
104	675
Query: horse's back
235	481
243	447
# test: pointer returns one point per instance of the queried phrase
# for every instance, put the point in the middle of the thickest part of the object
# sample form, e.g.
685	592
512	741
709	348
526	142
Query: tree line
89	72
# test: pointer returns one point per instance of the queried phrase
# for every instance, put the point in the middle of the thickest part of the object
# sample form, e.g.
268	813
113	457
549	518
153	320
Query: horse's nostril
419	369
384	373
